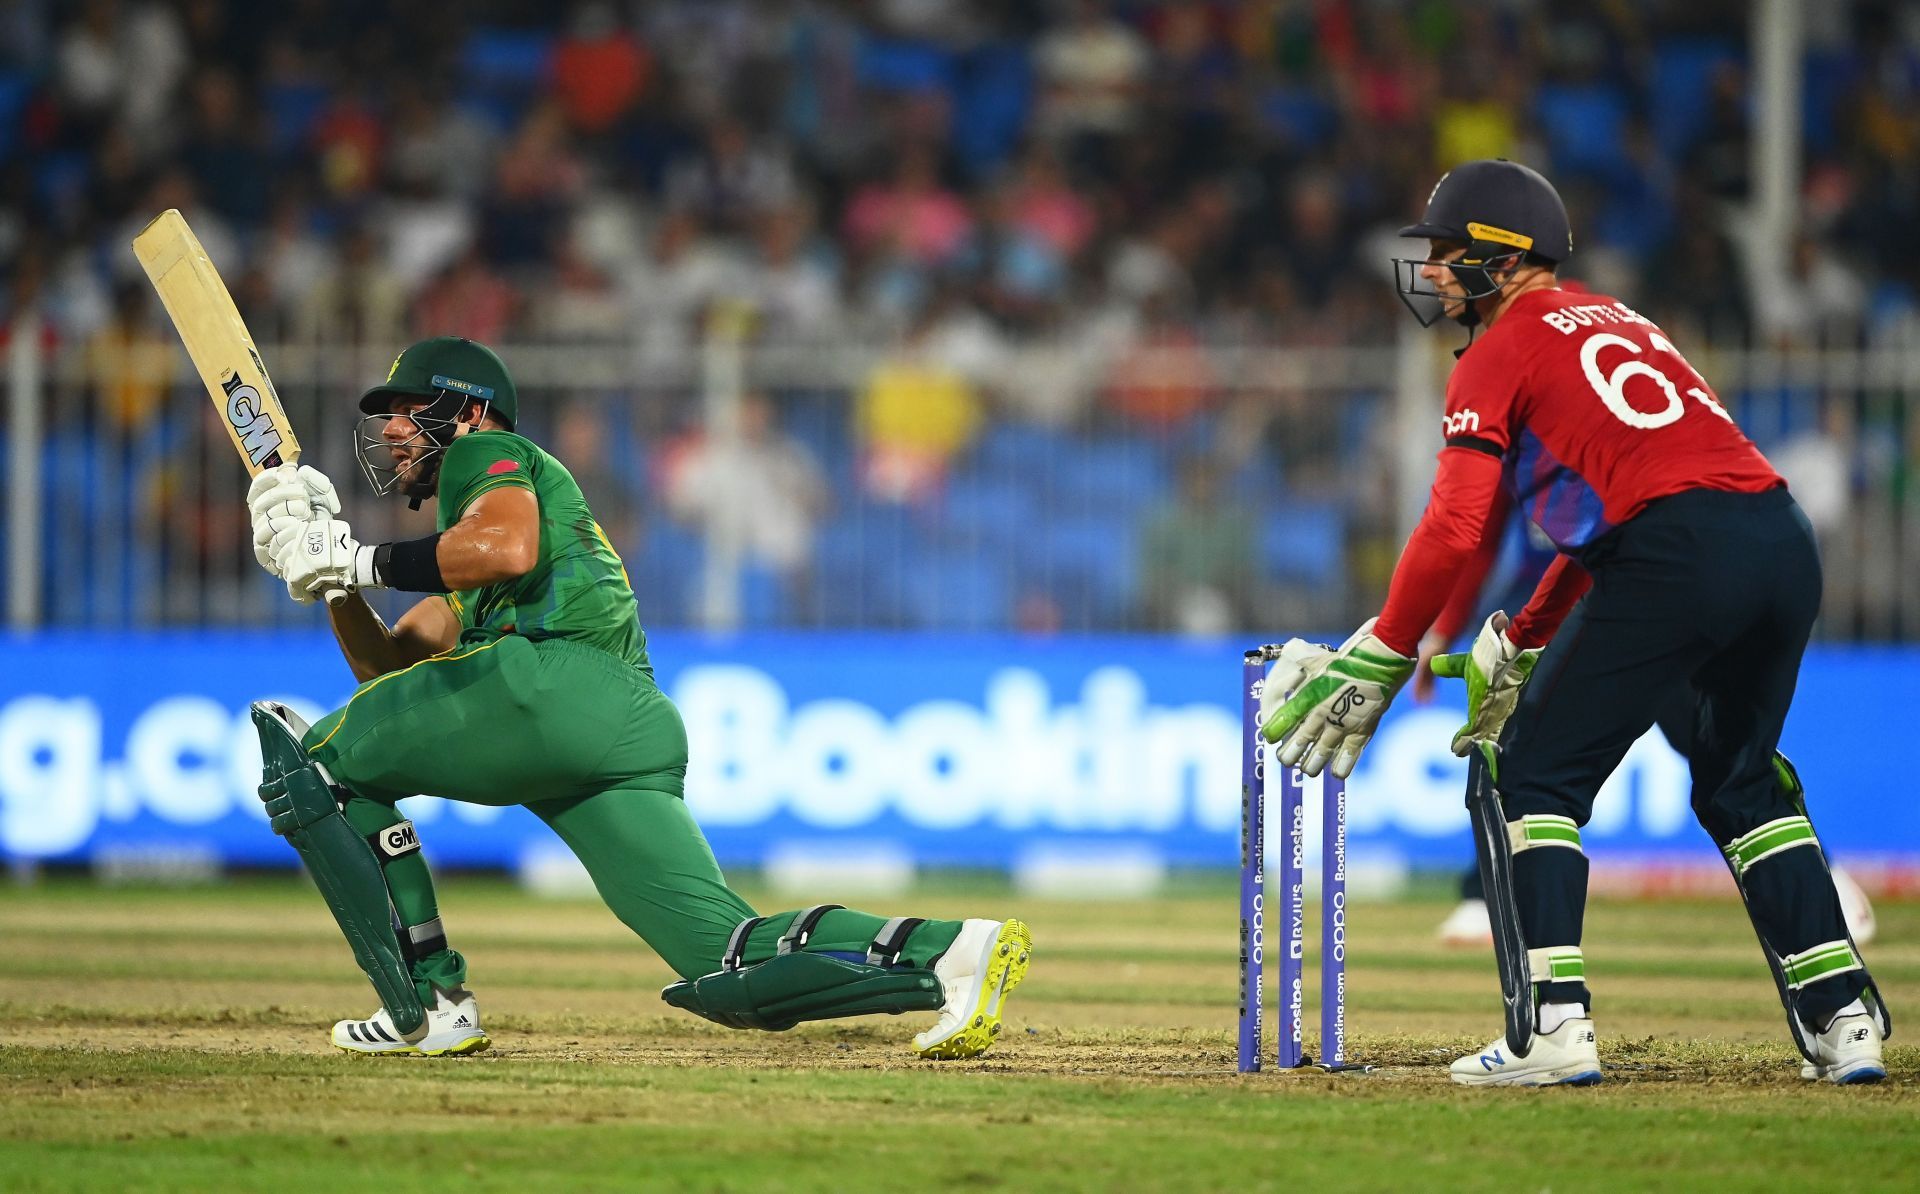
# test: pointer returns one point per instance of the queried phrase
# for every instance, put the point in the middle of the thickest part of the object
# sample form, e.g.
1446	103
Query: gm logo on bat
252	426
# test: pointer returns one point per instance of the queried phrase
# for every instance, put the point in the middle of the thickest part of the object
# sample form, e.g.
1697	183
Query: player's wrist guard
411	565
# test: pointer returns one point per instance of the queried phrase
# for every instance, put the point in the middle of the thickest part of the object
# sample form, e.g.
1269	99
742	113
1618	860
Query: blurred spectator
1044	205
790	283
130	362
122	61
599	69
357	301
912	214
734	180
1093	73
538	175
1816	300
578	301
438	149
685	272
290	258
349	138
469	299
1720	157
756	488
1164	377
225	151
583	437
916	412
1196	558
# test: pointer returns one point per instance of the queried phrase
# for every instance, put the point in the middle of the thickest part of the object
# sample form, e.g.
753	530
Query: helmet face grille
435	426
1473	269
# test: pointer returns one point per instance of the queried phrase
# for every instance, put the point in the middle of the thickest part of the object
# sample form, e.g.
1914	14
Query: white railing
1056	508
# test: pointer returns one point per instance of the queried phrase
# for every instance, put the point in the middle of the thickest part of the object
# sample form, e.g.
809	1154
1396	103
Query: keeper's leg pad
302	808
791	987
1770	844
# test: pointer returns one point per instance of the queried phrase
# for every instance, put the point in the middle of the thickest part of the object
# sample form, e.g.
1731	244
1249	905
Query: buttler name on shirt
1570	319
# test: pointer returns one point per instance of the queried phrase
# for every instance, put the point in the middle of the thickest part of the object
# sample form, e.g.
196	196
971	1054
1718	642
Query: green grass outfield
177	1039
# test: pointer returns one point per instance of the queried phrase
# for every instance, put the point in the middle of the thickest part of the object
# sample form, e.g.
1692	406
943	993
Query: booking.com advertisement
938	751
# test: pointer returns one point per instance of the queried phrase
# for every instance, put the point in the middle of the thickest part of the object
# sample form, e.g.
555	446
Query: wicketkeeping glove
1495	672
1332	700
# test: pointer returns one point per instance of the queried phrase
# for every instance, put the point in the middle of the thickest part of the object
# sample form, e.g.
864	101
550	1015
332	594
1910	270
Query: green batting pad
301	808
788	988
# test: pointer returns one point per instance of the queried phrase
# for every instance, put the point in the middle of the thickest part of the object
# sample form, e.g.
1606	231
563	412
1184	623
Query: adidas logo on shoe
463	1022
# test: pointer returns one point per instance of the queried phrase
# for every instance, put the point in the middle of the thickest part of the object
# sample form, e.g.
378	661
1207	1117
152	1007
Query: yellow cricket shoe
982	967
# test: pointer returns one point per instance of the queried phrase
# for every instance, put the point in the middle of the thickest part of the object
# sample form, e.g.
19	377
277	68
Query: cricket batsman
1683	561
522	677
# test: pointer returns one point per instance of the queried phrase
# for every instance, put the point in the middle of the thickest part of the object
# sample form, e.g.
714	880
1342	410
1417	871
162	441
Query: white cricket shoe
979	970
1468	924
1849	1052
1564	1057
452	1030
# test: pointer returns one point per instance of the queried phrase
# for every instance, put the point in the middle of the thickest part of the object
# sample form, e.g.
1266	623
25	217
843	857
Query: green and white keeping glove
1495	672
1330	700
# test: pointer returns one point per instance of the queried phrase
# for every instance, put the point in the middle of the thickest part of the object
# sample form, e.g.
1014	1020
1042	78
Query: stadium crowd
1043	223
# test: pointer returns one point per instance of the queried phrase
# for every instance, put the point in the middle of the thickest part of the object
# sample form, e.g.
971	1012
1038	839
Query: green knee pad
788	988
301	807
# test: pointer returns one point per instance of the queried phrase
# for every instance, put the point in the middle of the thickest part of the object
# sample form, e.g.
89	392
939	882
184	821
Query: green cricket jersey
577	589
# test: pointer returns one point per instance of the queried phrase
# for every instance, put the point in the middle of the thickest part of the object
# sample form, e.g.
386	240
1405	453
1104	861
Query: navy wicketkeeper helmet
1503	212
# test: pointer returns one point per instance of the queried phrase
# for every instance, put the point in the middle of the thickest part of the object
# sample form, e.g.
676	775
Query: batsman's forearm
370	648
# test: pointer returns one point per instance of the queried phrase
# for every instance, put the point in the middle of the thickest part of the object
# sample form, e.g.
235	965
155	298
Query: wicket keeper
1684	561
522	677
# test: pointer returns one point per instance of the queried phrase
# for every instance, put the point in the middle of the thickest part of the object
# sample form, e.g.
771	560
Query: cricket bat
218	342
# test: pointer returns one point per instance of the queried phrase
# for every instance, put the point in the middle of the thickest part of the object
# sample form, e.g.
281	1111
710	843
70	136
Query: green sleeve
479	463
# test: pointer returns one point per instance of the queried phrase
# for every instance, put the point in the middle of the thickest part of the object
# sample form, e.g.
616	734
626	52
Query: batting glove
321	556
1495	671
1332	702
297	492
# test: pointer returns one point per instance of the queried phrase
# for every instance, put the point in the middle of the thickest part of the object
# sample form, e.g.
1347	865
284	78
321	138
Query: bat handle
335	596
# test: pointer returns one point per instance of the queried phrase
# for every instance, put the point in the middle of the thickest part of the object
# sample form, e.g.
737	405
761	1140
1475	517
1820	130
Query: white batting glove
1334	702
286	492
321	556
1495	672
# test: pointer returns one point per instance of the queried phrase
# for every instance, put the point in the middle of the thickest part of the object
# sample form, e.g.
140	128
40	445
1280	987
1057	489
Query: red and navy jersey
1594	413
1584	412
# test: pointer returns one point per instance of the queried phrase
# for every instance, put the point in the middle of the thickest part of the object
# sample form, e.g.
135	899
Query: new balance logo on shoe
1856	1036
1586	1037
1489	1060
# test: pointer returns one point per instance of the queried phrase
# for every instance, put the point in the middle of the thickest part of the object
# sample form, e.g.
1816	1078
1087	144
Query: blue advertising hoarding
961	751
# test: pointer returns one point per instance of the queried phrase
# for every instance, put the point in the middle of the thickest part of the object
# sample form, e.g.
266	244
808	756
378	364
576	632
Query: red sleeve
1562	584
1464	491
1473	576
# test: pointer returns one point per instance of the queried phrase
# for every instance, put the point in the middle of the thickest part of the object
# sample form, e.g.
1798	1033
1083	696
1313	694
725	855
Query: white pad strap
1543	829
1557	964
1820	961
1768	840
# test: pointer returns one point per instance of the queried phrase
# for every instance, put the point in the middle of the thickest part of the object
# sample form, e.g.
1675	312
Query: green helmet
447	364
448	373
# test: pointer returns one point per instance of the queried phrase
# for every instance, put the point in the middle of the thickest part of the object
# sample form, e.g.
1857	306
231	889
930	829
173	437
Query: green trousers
595	750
